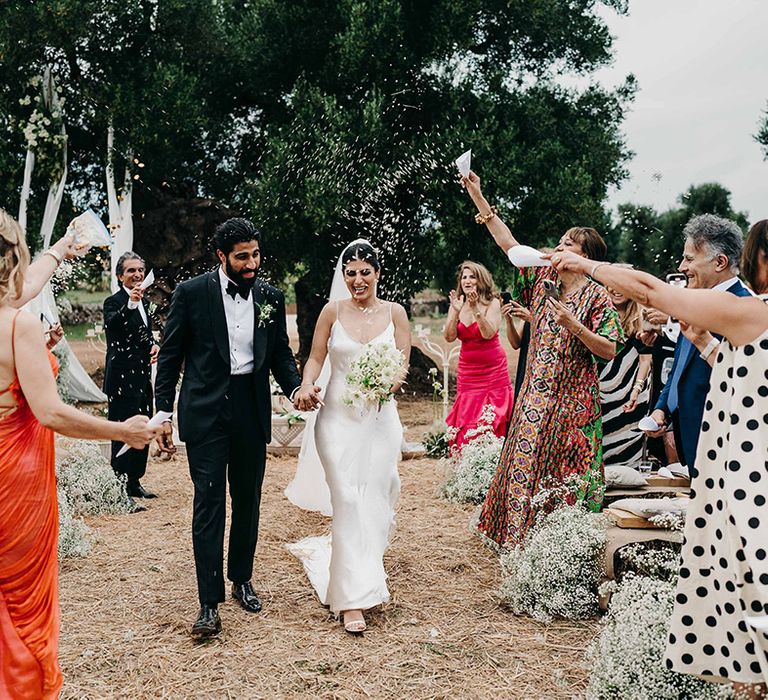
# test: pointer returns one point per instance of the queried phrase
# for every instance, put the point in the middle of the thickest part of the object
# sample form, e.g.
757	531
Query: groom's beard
237	277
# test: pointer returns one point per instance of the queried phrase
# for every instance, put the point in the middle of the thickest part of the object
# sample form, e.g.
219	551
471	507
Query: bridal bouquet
373	374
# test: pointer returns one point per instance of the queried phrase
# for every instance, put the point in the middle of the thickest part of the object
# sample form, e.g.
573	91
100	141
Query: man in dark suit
710	261
228	329
130	353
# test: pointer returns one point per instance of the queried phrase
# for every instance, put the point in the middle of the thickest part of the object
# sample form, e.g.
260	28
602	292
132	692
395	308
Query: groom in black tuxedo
228	330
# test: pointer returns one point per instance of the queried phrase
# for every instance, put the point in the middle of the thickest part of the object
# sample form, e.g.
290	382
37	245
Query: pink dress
483	378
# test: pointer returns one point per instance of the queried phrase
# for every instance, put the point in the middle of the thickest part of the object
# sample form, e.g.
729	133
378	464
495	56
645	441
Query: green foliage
653	241
435	442
325	120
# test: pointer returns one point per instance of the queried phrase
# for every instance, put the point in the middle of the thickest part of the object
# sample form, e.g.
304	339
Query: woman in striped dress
624	390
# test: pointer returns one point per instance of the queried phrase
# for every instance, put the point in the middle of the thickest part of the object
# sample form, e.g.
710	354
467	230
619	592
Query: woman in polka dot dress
719	626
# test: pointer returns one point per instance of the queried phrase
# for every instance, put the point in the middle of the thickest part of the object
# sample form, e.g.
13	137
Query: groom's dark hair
233	231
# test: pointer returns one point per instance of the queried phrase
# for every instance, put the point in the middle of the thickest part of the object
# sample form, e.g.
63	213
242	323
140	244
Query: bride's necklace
368	312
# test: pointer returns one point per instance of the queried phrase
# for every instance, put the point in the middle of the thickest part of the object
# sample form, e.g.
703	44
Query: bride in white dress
359	449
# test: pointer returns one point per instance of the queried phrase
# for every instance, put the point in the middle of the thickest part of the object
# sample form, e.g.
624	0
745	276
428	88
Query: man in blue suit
710	261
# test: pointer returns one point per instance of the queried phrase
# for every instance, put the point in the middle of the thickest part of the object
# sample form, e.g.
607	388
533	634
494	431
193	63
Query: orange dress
29	531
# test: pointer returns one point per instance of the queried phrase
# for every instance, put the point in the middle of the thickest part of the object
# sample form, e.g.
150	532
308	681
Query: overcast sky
702	68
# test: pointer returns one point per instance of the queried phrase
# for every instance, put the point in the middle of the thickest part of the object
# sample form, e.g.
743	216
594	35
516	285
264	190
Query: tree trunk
309	304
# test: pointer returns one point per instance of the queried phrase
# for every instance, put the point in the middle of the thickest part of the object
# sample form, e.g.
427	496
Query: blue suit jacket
692	392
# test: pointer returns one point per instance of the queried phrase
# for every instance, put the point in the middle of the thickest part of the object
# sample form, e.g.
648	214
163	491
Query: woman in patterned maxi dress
556	432
555	438
719	624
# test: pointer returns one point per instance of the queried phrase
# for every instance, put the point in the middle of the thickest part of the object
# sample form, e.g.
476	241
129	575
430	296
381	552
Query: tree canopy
653	241
325	120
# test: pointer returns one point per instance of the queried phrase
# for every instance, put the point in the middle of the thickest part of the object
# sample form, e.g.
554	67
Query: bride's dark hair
363	252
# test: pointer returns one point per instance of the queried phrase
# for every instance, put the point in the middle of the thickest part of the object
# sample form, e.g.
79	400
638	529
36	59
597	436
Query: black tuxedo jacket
129	341
196	336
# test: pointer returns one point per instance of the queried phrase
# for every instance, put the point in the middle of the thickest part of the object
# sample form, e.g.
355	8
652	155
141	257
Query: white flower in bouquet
373	375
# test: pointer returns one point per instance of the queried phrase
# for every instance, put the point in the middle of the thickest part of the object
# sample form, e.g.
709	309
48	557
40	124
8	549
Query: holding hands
307	398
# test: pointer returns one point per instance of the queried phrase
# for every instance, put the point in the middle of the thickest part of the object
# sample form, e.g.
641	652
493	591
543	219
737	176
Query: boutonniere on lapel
152	307
265	314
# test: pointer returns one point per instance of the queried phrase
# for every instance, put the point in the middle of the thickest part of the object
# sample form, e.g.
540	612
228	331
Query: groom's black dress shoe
244	594
136	490
208	622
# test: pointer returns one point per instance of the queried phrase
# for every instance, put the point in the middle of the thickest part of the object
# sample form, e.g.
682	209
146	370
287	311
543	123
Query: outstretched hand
471	183
566	261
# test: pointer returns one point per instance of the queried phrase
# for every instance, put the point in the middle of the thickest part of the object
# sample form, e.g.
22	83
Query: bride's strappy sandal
354	626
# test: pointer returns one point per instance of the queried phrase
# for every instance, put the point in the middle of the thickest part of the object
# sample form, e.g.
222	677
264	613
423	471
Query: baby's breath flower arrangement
373	375
471	467
74	534
627	657
661	562
557	570
87	481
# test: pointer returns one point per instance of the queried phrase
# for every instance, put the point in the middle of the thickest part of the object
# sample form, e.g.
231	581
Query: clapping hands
457	301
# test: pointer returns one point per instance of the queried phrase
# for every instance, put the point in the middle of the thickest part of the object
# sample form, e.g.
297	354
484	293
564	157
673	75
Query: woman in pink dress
483	377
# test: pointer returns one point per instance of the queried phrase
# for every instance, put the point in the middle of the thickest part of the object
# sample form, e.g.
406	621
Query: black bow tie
234	289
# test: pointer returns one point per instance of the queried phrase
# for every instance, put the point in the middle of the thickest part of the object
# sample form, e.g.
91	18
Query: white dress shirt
239	313
137	305
723	286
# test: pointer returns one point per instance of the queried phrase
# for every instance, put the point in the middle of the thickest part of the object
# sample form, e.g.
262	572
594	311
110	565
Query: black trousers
234	450
134	462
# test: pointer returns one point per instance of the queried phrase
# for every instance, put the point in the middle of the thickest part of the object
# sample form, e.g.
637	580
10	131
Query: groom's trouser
234	448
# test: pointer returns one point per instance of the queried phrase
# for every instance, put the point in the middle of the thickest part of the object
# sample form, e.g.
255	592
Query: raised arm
39	387
740	319
499	230
487	322
42	269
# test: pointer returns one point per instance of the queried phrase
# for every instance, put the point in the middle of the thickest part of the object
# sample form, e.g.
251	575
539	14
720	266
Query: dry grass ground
128	606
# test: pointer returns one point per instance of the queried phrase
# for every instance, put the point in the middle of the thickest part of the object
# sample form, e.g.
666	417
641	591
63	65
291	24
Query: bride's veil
308	489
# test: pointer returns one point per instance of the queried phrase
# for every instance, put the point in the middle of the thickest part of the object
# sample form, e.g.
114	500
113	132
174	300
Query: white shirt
239	313
723	286
137	305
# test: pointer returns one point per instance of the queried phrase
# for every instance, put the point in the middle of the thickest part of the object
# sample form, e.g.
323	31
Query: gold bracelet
580	331
485	218
595	267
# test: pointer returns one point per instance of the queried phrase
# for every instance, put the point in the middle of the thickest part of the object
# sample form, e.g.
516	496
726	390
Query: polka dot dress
724	573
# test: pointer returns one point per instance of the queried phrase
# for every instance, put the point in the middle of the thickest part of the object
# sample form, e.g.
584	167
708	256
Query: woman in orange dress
30	412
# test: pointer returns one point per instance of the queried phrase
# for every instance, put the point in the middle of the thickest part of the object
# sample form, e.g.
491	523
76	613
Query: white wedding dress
359	451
